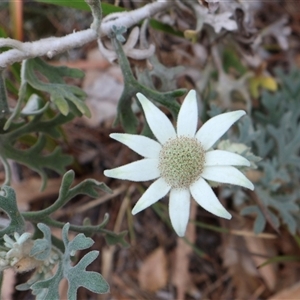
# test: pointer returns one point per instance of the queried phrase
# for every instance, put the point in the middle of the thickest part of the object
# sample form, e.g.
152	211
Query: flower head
18	255
182	160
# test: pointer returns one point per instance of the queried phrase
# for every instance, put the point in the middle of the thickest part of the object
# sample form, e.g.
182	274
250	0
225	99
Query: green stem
95	6
131	87
124	64
7	170
21	98
60	202
88	230
4	109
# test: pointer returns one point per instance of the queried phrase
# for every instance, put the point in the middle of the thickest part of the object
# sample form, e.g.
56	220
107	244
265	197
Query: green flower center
181	161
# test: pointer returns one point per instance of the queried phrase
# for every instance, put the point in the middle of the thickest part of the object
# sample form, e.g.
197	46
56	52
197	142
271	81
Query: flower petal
158	122
188	116
215	127
179	209
227	174
138	143
156	191
206	198
141	170
225	158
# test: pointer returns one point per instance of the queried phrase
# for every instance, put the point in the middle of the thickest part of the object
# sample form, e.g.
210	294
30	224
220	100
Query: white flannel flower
182	161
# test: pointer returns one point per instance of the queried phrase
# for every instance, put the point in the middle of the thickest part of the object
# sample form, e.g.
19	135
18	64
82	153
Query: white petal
179	209
156	191
227	174
205	197
160	125
138	143
141	170
215	127
225	158
188	116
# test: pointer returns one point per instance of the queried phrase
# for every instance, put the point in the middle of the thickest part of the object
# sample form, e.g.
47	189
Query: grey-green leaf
8	204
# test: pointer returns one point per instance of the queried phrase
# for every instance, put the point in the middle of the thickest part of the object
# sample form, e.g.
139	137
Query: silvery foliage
24	252
45	285
273	133
42	256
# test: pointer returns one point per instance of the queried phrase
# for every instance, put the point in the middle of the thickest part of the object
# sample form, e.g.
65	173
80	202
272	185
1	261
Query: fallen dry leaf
153	274
244	275
290	293
125	289
254	175
263	248
104	87
242	255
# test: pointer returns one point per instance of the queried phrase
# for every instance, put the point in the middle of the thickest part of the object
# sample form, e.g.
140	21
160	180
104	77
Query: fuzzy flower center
181	161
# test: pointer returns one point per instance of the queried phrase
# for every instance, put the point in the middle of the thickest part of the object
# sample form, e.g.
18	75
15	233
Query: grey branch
54	45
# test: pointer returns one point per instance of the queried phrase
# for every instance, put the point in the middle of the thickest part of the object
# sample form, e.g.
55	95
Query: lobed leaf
42	247
77	276
60	92
8	204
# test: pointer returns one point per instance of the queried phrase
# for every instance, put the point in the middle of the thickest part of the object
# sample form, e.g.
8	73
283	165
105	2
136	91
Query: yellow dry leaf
191	35
269	83
262	81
